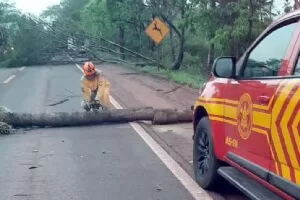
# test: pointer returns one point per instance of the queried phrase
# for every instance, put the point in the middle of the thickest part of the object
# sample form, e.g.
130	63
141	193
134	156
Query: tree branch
171	25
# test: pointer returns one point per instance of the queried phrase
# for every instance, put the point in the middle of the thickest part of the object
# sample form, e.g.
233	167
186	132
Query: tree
200	30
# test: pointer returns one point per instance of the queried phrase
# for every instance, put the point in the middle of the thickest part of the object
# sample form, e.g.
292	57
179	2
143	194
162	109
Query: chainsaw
95	105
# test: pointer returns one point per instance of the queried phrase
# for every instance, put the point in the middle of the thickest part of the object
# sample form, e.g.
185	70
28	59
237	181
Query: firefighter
91	85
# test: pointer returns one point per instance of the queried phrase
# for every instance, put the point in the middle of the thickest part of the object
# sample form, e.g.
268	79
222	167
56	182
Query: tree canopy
199	30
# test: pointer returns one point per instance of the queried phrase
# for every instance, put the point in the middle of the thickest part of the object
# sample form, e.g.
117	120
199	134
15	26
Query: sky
34	6
37	6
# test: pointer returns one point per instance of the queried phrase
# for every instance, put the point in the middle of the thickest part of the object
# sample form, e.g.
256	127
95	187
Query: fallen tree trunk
5	129
169	116
62	119
157	116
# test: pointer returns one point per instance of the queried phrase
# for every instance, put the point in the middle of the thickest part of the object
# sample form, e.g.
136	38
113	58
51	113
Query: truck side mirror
224	67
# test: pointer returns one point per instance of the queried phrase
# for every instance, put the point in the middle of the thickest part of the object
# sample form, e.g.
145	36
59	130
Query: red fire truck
247	117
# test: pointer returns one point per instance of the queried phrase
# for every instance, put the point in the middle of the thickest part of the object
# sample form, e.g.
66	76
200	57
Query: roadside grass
184	77
4	64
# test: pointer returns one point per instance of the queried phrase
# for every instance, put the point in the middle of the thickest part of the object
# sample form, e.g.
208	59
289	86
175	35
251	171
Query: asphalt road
101	162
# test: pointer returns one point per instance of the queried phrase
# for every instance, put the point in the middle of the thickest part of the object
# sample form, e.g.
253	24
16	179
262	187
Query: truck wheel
204	160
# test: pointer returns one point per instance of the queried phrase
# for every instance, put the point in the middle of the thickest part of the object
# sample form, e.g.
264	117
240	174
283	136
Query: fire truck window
265	58
297	69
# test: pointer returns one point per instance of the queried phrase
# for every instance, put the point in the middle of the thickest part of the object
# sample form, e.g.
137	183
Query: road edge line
9	79
21	69
78	66
186	180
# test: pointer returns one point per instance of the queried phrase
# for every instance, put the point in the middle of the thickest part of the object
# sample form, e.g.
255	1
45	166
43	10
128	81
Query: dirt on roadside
149	90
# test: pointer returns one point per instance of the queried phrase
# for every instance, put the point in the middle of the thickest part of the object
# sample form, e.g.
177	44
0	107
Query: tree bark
159	54
210	56
121	41
157	116
5	129
250	21
232	44
140	37
176	65
167	116
172	45
179	60
171	33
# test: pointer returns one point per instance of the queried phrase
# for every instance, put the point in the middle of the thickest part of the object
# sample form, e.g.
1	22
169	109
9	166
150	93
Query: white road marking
115	103
188	182
78	66
22	68
9	79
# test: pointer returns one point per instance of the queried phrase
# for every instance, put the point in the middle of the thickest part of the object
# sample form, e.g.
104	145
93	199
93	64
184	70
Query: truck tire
205	162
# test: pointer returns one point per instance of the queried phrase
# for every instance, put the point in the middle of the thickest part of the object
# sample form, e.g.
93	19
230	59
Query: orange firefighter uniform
94	86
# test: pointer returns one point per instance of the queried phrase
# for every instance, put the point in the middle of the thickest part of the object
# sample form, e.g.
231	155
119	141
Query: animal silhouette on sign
155	28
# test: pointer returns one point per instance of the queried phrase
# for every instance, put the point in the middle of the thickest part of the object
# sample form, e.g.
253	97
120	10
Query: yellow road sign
157	30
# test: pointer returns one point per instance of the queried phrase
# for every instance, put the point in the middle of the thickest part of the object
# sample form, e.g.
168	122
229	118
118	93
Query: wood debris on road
62	119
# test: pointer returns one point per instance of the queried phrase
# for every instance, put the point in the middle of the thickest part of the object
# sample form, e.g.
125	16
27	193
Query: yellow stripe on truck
286	134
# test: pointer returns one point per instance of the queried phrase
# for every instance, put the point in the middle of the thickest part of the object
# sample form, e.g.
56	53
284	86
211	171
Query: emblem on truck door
244	116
